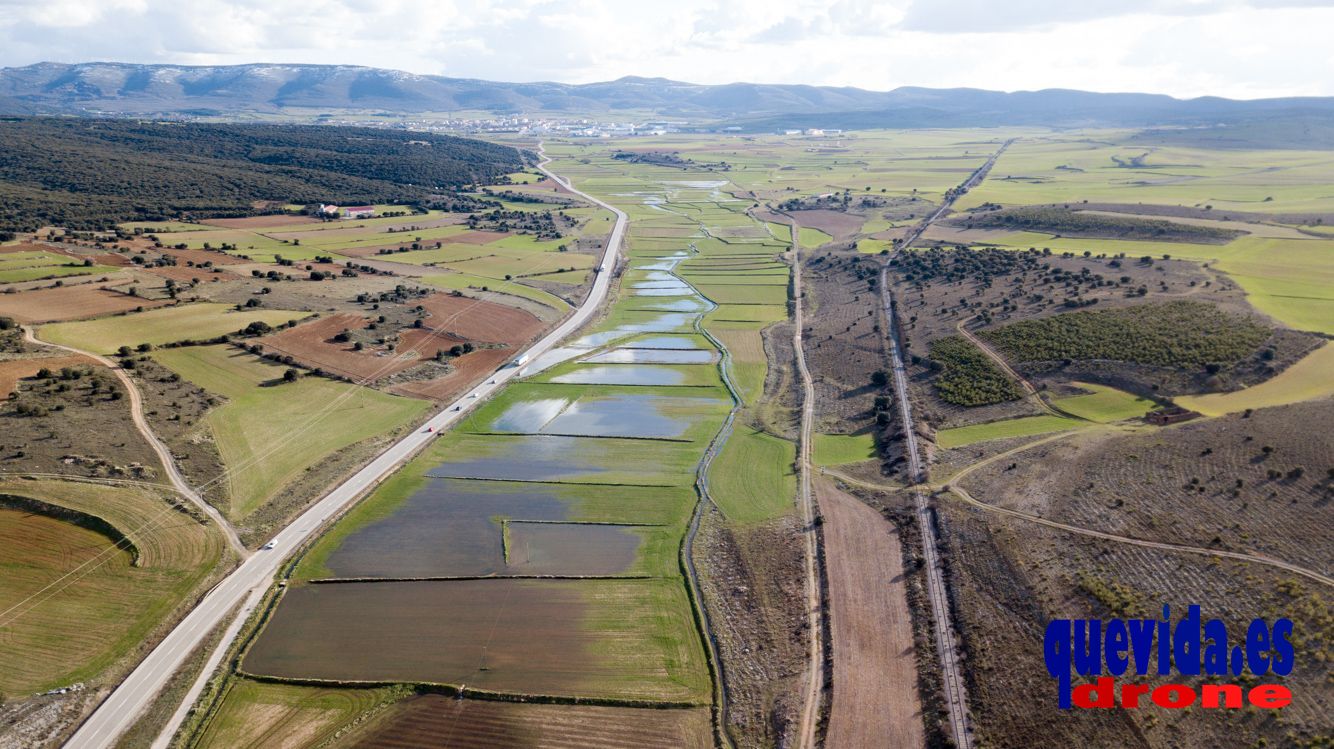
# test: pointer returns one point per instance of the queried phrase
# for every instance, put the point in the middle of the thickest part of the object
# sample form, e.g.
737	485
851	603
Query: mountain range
124	89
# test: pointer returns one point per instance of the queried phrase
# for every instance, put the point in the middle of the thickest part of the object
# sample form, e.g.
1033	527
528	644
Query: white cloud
1242	48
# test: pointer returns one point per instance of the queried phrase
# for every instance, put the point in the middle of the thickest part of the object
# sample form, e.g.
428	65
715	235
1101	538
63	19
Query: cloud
1242	48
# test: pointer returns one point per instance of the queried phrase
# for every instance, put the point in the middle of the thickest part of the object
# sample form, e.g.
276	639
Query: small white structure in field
328	210
358	211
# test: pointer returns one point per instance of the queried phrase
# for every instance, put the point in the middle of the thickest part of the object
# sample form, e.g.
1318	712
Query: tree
291	375
880	378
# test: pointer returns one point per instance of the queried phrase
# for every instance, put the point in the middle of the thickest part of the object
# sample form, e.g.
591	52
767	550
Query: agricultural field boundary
687	555
164	455
113	716
807	733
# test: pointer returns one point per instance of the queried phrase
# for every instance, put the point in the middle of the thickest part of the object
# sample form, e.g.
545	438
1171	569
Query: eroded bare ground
1250	484
41	721
779	412
874	700
1009	577
175	408
752	584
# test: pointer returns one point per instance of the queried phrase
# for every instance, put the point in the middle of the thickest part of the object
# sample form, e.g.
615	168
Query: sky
1236	48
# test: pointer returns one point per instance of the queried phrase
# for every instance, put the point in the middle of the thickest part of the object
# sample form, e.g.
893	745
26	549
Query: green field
1021	427
198	321
269	432
1104	404
16	267
466	281
753	478
1308	379
841	449
53	639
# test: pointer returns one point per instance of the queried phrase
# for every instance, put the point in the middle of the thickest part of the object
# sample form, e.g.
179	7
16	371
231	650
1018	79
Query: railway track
956	695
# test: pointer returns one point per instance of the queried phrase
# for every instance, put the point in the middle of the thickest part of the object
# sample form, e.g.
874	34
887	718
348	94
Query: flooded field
540	457
655	356
574	637
621	415
571	548
669	342
535	548
689	304
622	374
456	528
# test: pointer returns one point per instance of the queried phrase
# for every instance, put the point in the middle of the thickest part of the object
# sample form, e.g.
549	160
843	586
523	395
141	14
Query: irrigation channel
547	541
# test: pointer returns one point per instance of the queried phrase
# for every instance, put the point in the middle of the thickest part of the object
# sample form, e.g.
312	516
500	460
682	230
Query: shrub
967	377
1175	334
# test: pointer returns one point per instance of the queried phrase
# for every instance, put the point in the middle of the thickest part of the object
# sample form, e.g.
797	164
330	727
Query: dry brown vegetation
752	584
78	425
1258	484
844	339
1008	578
435	720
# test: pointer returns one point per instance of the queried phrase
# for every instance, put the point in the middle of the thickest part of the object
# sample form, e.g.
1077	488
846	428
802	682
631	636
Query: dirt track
164	455
875	700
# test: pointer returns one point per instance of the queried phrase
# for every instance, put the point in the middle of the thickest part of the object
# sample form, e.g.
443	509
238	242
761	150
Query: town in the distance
352	407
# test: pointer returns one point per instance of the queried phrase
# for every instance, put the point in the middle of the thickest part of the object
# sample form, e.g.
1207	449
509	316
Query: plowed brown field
312	344
477	320
70	303
13	371
875	701
435	721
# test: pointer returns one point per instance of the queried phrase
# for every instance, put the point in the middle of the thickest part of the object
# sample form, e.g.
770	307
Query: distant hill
90	173
128	89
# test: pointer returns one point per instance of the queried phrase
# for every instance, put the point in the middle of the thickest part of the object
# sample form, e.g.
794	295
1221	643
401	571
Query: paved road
806	731
164	455
128	701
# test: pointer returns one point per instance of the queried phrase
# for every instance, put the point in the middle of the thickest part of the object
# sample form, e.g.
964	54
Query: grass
202	320
745	343
841	449
37	273
466	281
753	477
765	313
1022	427
254	713
811	237
748	294
1104	404
874	246
90	621
265	433
1306	380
